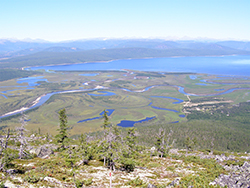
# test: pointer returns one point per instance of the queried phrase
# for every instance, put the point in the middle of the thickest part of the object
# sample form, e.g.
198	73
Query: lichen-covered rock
239	177
151	186
44	150
174	183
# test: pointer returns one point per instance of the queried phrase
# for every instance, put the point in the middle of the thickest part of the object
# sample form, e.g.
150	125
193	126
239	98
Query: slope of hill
14	48
54	57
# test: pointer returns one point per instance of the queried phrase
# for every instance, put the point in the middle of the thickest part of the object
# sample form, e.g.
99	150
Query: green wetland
203	113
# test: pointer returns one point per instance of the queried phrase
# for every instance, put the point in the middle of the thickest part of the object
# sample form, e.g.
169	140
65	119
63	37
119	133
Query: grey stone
44	150
151	186
11	171
235	179
174	183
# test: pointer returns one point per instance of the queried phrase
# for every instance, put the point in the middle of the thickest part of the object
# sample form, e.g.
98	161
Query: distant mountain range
29	53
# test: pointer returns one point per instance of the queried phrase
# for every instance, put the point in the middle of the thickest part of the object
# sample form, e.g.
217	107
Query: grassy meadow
134	106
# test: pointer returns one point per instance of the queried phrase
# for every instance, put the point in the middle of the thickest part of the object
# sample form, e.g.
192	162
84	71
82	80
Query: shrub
234	162
136	182
2	185
128	165
215	152
31	178
88	182
79	183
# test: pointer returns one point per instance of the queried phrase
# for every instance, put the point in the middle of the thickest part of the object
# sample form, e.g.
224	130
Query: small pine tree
62	137
188	143
104	145
84	148
106	122
131	140
160	141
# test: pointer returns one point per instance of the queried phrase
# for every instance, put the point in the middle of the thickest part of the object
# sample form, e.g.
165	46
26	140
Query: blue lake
32	81
89	74
175	122
221	65
105	93
158	108
127	123
4	96
109	112
201	84
227	65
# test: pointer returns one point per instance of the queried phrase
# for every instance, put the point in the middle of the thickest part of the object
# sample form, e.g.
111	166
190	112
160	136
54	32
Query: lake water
127	123
222	65
32	81
90	74
109	112
227	65
104	93
4	96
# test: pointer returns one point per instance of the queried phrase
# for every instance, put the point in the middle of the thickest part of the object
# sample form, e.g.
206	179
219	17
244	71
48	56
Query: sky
61	20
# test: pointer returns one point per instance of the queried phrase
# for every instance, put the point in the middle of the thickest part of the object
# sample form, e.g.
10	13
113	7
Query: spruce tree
62	137
131	140
106	122
162	144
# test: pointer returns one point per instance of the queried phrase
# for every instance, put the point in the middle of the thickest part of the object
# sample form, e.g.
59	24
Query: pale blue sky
57	20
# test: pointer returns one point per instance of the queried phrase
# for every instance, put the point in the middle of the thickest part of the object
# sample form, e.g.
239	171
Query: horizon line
201	39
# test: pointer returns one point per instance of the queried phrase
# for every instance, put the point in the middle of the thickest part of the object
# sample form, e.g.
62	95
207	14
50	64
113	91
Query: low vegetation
90	160
7	74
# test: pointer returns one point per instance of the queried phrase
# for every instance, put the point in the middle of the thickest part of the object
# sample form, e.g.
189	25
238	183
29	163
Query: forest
45	160
7	74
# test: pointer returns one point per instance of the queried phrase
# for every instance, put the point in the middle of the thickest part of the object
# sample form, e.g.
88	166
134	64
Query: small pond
32	81
127	123
105	93
109	112
89	74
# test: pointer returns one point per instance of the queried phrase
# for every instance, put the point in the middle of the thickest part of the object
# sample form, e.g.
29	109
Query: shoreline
24	108
108	61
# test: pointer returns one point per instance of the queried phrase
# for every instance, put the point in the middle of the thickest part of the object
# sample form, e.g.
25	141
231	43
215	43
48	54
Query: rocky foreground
178	169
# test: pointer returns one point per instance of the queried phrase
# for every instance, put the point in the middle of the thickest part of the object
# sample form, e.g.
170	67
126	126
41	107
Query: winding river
226	65
42	99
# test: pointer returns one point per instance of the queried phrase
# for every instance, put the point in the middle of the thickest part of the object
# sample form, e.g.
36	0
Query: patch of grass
153	165
137	182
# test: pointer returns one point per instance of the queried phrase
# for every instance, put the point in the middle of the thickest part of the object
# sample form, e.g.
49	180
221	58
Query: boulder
239	177
174	183
151	186
44	151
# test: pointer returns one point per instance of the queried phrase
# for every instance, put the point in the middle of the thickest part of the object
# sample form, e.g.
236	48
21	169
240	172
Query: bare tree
162	144
4	146
21	138
212	146
113	140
